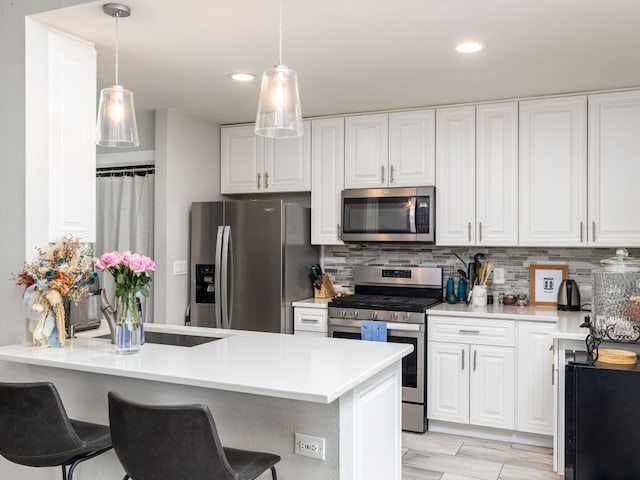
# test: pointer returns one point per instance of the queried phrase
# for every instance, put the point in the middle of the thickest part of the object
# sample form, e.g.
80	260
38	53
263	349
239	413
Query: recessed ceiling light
242	76
470	47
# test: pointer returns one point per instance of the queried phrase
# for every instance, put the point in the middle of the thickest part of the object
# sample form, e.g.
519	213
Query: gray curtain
125	222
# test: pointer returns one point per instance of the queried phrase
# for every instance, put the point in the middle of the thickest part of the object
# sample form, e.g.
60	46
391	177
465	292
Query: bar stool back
35	430
178	442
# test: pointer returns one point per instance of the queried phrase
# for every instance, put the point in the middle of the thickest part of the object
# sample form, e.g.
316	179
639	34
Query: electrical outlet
180	267
498	276
309	446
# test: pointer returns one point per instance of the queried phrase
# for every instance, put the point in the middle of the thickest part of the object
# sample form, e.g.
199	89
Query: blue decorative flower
60	260
48	275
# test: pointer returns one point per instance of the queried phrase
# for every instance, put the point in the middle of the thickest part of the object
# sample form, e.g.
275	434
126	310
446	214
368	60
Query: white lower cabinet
535	377
448	382
471	383
311	321
492	386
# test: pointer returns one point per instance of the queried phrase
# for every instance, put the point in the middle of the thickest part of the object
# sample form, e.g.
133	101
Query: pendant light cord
117	16
280	46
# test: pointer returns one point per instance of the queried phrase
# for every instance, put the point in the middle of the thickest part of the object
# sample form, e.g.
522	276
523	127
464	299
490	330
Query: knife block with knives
322	286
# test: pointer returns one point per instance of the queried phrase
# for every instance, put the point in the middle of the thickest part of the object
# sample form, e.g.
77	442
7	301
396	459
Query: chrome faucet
109	314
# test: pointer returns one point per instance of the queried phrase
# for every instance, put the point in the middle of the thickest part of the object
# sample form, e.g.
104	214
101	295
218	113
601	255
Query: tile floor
439	456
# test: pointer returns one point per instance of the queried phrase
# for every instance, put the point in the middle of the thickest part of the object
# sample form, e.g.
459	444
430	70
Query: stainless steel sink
175	339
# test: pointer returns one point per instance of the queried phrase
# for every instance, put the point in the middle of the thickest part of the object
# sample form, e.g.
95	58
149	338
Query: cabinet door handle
309	320
469	231
581	235
258	181
391	174
593	231
473	332
475	358
553	382
462	360
339	232
266	180
479	231
382	173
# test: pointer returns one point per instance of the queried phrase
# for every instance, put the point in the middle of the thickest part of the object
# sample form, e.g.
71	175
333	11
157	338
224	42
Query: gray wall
12	155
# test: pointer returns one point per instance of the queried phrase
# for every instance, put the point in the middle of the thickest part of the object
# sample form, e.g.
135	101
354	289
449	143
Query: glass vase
128	325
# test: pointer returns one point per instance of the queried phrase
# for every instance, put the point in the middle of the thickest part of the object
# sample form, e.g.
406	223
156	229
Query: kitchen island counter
284	366
262	388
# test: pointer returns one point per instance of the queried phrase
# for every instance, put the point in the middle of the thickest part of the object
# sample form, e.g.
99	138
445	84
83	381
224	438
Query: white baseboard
491	433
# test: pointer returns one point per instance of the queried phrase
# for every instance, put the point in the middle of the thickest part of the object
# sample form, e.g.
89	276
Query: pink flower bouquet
130	271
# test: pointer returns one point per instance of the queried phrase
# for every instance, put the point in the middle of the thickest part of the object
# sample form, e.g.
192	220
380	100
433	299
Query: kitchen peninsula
261	387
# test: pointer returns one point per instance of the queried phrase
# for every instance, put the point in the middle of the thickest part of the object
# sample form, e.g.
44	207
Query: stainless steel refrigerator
249	261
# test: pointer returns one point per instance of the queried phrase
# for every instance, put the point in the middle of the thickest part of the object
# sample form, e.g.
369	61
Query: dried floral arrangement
63	271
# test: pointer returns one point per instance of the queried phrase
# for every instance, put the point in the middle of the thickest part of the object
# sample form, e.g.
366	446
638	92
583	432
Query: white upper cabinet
412	148
241	172
254	164
497	174
366	151
60	74
614	169
288	163
455	176
327	180
390	150
553	172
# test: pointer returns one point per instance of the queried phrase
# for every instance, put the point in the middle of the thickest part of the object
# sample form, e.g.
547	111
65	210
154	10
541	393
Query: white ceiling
360	55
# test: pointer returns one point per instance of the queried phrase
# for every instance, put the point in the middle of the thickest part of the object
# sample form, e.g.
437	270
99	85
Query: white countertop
507	312
313	369
567	323
312	303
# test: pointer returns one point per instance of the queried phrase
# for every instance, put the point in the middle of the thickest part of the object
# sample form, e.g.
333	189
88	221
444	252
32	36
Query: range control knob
354	314
394	315
374	315
407	316
343	313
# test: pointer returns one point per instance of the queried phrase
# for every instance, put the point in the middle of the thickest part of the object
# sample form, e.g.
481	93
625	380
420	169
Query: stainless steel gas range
399	297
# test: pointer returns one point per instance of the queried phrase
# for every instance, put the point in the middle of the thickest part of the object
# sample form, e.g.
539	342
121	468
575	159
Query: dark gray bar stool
35	430
178	442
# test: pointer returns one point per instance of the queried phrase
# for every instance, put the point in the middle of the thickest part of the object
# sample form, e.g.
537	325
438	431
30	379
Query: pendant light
116	126
279	113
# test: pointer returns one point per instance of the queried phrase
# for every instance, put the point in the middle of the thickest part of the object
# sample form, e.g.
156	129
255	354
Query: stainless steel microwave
388	215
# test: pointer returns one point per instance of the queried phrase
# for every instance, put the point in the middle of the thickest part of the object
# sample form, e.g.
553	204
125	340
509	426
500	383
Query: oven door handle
401	327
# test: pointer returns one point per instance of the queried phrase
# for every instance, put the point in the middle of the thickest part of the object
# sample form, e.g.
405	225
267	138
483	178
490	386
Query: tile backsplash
339	261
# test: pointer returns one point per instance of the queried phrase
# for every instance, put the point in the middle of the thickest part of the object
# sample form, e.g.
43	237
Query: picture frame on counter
544	283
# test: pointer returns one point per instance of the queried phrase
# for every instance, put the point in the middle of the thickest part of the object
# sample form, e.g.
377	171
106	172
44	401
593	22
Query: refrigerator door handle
218	278
231	280
225	278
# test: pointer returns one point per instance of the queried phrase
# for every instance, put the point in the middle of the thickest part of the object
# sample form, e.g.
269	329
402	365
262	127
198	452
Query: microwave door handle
218	278
412	215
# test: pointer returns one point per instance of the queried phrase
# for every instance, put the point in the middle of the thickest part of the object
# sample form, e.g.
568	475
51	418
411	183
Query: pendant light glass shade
116	125
116	118
279	113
